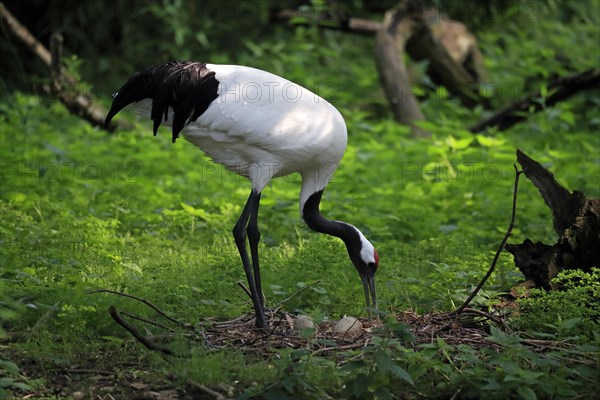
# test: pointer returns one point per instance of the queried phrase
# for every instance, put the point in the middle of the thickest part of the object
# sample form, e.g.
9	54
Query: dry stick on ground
559	90
500	248
158	325
88	371
136	334
215	395
146	302
484	314
76	102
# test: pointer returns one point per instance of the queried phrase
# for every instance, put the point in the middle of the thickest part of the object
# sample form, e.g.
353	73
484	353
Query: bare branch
136	334
500	248
561	89
215	395
146	302
75	101
141	319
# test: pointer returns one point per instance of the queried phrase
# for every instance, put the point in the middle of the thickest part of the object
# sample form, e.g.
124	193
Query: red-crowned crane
260	126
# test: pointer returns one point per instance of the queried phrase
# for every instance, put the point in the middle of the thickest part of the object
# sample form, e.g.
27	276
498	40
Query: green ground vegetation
82	209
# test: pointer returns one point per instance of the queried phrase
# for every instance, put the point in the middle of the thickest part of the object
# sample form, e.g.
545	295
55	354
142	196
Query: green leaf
16	197
383	361
22	386
488	141
10	367
568	324
288	384
319	289
196	212
401	373
381	393
360	385
353	366
568	117
526	393
509	367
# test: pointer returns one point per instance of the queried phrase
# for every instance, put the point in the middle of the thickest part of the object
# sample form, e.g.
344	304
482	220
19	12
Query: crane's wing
230	103
262	109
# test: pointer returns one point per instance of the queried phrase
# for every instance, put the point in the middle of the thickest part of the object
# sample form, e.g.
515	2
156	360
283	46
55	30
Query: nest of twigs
469	326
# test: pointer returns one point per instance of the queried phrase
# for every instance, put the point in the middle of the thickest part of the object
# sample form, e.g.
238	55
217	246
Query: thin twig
350	327
240	284
205	390
486	315
88	371
500	248
75	100
296	293
136	334
230	322
455	394
146	302
338	348
133	316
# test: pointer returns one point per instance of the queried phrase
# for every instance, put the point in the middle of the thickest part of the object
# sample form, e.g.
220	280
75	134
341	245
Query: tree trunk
576	220
389	50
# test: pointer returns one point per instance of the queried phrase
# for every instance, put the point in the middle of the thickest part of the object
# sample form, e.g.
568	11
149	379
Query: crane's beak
368	281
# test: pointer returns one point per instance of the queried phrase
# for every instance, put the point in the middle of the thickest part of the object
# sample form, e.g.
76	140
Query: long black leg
239	234
253	239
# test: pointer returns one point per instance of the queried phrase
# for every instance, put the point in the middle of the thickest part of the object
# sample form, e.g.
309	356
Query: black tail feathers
187	87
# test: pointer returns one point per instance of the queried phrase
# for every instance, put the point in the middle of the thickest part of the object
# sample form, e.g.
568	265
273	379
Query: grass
83	210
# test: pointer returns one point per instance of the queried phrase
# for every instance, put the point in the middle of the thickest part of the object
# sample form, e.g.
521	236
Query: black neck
315	221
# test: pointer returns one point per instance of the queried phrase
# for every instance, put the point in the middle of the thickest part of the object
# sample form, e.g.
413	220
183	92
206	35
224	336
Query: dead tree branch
389	56
349	24
576	220
147	321
146	302
205	390
422	45
407	27
136	334
25	36
67	88
559	90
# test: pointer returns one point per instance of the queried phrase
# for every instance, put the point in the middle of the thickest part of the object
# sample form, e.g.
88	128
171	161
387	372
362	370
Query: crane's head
365	259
